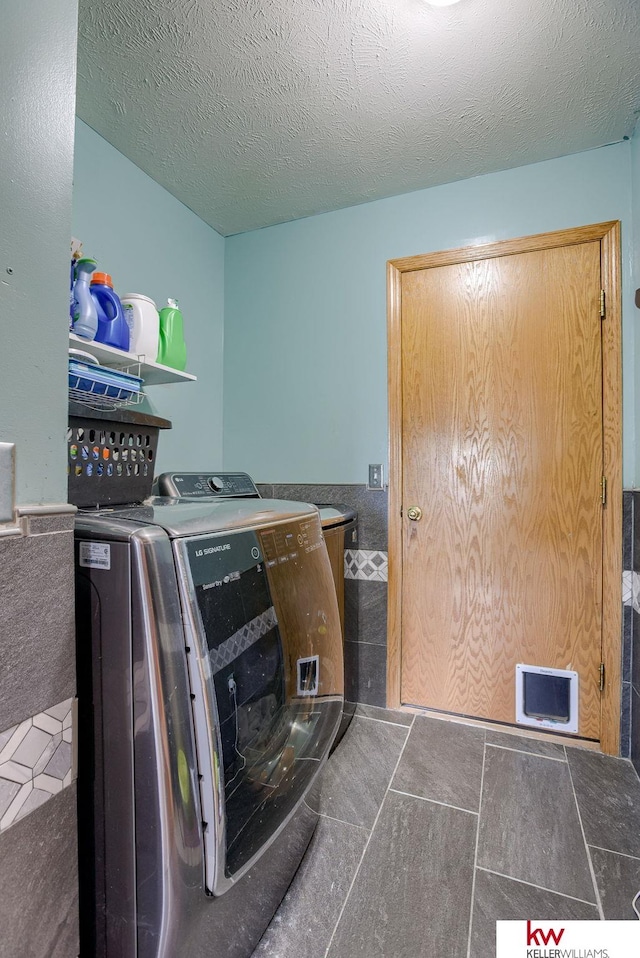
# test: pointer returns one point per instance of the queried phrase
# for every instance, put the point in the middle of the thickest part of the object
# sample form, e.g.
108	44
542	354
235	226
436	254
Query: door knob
414	513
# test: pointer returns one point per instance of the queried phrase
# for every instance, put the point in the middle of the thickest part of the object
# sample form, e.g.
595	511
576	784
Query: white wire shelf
154	374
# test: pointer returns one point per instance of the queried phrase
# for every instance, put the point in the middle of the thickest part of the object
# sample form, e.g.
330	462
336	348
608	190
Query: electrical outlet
7	481
376	476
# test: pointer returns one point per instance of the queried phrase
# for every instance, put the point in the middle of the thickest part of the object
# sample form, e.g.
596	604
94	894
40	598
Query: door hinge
602	676
604	490
602	307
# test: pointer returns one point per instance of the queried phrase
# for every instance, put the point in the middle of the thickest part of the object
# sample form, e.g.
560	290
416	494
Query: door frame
608	234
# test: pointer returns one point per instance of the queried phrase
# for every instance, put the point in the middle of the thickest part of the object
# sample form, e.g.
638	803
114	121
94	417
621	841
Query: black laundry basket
111	455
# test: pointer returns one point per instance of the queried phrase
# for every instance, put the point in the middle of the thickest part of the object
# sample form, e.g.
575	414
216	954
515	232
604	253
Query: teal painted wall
635	197
634	311
305	396
152	244
37	77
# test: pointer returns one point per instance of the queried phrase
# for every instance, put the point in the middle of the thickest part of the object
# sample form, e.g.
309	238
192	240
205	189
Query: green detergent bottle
172	350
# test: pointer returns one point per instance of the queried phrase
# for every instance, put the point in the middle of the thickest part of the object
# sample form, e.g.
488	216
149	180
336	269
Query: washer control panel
202	485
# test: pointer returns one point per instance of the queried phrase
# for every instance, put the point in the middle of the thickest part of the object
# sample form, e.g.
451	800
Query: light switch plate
7	480
376	476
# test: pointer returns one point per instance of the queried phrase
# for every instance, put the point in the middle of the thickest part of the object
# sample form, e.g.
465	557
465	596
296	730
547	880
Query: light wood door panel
502	449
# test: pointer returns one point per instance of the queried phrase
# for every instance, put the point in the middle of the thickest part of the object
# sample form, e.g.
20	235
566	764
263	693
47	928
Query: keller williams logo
536	936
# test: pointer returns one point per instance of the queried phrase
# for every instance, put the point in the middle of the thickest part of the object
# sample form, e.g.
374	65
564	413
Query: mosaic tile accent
242	640
366	564
631	589
36	761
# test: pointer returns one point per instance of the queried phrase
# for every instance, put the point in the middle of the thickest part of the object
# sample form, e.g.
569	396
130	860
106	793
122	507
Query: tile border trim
47	509
37	760
24	514
370	565
631	589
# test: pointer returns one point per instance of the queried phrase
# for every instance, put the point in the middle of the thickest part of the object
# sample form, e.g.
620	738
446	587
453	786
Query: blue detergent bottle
113	329
85	315
72	302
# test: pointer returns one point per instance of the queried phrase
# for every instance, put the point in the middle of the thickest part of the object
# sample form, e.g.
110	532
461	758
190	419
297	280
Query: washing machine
210	674
338	521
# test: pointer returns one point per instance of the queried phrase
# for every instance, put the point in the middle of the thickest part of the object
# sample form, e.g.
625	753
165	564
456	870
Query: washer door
266	669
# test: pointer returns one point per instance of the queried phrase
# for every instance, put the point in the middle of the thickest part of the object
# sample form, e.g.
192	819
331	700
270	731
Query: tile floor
430	831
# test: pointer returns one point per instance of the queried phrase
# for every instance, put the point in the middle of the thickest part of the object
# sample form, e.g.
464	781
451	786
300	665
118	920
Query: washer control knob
216	484
414	513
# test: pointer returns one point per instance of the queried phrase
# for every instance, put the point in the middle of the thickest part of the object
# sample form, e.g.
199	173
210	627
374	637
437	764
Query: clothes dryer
339	528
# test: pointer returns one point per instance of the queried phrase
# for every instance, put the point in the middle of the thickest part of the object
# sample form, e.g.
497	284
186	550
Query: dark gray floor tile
635	648
627	530
442	761
627	641
412	894
37	598
523	744
529	826
365	670
42	525
355	779
504	899
372	613
635	496
301	492
372	518
352	589
608	793
305	921
625	721
635	729
618	879
385	715
371	507
39	882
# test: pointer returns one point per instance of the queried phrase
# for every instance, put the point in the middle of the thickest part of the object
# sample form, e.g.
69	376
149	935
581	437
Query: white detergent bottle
144	325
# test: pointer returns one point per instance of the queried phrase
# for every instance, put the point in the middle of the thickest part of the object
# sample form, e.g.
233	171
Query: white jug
144	325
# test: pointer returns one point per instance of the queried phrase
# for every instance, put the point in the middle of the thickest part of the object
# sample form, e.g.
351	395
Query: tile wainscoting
630	711
366	598
36	761
38	846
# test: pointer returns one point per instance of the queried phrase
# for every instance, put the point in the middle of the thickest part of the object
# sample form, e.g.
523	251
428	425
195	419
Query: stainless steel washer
210	691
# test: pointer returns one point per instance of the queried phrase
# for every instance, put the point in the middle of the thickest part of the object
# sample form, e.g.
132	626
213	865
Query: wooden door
503	451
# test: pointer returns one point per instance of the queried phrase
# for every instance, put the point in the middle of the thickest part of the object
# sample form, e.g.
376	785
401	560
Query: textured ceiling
254	112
